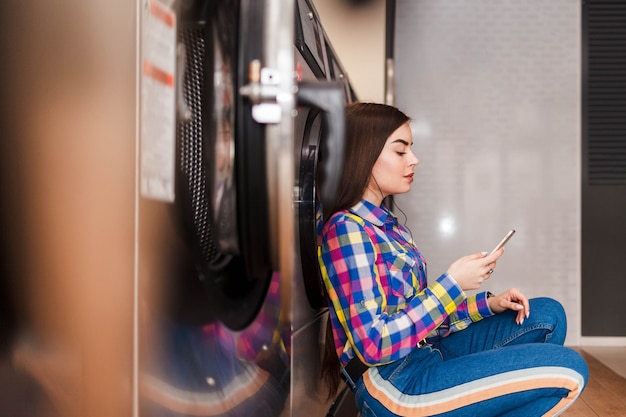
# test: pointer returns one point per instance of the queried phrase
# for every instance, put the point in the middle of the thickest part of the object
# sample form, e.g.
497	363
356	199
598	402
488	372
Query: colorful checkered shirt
381	304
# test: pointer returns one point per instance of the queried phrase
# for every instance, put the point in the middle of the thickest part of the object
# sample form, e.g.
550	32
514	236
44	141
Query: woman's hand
512	299
472	270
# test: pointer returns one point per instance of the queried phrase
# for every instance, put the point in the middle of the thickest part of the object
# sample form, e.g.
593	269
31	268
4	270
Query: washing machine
241	142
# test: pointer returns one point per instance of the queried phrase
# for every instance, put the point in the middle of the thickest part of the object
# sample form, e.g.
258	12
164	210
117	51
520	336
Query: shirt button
362	303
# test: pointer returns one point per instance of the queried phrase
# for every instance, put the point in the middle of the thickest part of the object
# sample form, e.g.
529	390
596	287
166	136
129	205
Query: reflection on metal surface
209	370
223	188
278	17
390	86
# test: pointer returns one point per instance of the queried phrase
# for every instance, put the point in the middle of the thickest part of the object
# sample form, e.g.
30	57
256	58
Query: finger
526	305
512	305
516	306
517	294
494	256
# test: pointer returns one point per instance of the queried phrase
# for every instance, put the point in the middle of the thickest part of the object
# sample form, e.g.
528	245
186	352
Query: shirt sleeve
348	260
473	309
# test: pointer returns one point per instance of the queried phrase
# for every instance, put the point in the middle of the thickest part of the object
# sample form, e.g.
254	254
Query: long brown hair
368	125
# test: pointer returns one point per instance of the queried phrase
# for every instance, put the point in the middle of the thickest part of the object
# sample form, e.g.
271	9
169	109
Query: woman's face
393	171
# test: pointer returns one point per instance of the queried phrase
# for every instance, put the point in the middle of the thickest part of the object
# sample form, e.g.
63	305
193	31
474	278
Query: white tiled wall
493	87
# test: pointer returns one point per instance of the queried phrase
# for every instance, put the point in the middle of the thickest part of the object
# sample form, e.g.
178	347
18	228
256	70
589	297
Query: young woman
413	347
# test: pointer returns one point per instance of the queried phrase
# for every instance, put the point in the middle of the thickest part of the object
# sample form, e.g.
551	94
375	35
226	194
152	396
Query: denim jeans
493	368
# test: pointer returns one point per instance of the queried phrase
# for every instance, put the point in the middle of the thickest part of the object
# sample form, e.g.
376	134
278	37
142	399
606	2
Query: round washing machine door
321	163
221	191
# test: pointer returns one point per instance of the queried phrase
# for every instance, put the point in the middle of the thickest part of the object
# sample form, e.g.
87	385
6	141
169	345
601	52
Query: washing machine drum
221	191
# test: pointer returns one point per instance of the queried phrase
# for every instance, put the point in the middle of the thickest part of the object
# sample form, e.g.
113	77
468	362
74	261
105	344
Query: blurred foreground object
67	158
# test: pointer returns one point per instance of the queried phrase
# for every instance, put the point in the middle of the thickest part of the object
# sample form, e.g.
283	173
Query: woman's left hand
512	299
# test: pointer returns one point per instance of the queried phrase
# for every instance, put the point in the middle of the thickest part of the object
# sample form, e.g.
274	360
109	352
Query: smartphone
503	241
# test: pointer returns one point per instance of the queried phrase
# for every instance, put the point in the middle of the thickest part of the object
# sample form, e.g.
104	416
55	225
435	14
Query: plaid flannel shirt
381	304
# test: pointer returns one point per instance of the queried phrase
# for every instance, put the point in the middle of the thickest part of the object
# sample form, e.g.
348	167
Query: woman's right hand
472	270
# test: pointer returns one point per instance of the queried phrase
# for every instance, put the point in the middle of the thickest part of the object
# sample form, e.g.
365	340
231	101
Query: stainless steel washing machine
237	108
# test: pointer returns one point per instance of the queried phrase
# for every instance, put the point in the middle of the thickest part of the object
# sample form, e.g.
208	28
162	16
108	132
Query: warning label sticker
158	101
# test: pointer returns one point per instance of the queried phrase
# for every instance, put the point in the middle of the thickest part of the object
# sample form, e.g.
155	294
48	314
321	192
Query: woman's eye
401	153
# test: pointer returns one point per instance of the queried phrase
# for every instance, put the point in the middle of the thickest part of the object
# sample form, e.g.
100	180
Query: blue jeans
493	368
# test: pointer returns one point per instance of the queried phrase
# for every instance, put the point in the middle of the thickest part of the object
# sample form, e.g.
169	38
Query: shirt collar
378	216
